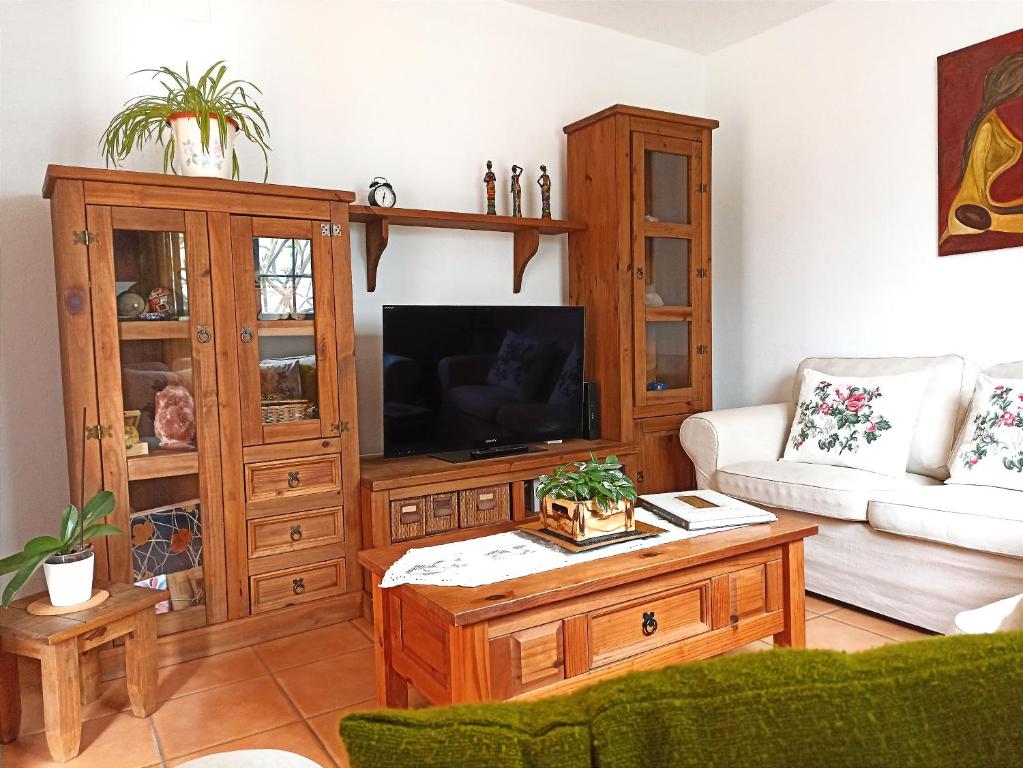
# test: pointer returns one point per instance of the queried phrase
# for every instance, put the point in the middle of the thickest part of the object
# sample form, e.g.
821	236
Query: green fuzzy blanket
953	701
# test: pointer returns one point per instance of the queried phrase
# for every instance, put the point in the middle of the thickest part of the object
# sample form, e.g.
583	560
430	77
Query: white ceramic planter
190	157
70	583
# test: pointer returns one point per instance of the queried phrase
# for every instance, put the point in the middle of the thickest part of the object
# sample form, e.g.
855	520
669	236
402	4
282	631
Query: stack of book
701	510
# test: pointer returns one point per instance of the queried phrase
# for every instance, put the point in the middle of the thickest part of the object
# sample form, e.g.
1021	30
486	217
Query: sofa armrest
718	438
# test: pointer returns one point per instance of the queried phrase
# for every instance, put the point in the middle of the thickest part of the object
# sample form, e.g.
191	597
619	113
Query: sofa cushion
861	422
942	411
837	492
989	450
1006	370
969	516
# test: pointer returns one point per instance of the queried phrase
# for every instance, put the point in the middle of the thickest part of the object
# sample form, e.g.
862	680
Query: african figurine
545	193
490	180
516	191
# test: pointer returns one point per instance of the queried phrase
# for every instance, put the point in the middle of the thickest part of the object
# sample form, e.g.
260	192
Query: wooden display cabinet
243	497
640	179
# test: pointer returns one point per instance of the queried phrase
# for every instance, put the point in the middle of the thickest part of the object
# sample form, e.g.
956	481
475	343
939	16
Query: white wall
422	93
825	196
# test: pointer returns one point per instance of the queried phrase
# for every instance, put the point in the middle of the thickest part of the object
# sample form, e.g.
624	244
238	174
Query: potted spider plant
587	499
67	559
195	123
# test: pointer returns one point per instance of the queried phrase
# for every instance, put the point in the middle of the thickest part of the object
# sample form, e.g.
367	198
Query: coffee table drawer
268	480
297	585
641	625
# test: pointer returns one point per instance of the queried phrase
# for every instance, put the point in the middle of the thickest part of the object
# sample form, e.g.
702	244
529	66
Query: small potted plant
67	559
588	499
202	118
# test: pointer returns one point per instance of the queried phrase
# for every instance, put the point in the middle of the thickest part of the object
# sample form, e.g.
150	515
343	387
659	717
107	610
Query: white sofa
909	547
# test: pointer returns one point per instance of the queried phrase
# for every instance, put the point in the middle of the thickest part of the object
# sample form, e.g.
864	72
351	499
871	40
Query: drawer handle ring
247	335
296	533
203	335
293	479
649	623
298	586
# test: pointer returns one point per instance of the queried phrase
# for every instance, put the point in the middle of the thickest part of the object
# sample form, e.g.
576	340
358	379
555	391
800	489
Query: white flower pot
69	578
190	157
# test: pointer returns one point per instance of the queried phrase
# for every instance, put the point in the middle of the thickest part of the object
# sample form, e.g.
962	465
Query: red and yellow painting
980	143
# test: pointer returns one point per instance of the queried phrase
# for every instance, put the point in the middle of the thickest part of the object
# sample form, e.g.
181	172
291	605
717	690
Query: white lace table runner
510	555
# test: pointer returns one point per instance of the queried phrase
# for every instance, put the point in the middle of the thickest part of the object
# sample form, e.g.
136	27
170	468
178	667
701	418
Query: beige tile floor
289	694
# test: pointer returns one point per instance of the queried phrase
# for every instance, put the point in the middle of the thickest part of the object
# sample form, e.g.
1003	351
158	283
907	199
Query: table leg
10	698
62	694
392	688
88	669
140	663
469	652
794	596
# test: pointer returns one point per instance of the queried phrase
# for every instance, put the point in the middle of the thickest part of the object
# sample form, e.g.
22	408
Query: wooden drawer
480	506
297	585
641	625
408	518
269	480
527	659
289	533
441	512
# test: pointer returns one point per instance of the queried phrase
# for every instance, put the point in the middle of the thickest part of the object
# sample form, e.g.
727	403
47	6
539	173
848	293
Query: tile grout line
156	738
872	632
301	718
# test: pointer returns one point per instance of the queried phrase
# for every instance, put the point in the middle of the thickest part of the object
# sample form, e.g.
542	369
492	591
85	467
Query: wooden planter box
584	520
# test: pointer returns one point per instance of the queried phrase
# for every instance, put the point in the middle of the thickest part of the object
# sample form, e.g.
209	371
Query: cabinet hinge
702	188
339	427
330	230
84	237
98	432
701	349
701	272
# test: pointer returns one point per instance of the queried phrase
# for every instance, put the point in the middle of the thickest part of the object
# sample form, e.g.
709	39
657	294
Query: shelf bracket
377	230
527	241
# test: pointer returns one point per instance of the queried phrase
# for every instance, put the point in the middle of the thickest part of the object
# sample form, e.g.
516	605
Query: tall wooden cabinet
207	352
641	180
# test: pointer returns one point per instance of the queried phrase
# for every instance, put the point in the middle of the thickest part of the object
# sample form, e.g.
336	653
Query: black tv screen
464	377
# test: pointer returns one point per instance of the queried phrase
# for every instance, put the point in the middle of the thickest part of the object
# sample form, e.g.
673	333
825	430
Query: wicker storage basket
287	411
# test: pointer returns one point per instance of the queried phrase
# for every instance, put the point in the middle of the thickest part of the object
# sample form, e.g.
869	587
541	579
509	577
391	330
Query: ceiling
702	26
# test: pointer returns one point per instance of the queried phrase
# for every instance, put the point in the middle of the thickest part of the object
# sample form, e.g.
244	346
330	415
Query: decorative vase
69	577
584	520
190	156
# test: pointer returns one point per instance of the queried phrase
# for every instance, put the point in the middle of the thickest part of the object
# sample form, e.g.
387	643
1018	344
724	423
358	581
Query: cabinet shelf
286	327
163	463
668	314
525	231
142	330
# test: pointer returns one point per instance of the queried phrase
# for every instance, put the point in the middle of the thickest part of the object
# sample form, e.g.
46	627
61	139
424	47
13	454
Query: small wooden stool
68	648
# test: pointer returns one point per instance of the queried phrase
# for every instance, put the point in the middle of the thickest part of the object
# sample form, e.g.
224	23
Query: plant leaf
95	531
98	507
30	566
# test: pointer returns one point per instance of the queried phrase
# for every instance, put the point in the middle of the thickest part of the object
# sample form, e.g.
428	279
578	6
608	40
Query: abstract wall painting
980	143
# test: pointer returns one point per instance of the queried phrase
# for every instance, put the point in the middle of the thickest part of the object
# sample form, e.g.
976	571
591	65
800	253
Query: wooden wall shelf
526	232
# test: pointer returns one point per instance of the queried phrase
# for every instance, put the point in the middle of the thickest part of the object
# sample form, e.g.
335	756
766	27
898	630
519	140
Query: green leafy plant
605	484
76	528
144	118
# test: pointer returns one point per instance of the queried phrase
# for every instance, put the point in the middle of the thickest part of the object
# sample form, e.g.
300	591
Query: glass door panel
288	351
667	272
155	378
667	187
667	364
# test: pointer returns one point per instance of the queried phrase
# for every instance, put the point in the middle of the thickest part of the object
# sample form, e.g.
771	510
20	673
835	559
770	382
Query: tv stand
477	454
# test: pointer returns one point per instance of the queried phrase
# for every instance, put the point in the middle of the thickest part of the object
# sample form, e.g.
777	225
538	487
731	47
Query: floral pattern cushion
858	422
989	450
279	379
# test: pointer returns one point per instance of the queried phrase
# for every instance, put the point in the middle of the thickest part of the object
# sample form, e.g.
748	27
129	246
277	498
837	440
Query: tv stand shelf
526	232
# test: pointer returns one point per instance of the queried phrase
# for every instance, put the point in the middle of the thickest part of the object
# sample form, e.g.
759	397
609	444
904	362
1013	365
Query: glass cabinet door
667	267
287	346
155	356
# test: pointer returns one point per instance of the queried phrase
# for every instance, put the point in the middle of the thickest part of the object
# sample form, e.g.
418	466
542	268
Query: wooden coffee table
560	630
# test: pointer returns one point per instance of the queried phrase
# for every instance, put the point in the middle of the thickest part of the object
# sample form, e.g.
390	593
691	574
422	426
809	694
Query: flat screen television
464	378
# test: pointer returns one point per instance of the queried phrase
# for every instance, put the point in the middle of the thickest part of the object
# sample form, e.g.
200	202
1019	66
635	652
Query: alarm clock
381	193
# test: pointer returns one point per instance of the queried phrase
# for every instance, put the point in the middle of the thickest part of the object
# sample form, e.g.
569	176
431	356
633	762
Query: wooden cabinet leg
10	698
140	663
88	669
392	688
469	654
794	597
62	693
